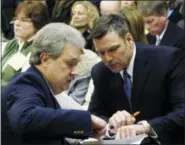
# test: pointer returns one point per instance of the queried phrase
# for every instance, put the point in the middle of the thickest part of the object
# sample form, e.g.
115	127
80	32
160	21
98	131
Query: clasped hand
122	125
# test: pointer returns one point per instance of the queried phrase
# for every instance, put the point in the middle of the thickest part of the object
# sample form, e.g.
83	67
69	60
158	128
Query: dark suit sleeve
28	115
173	123
97	105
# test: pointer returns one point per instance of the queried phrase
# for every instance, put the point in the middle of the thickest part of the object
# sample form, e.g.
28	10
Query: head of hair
153	7
136	21
92	12
109	23
36	11
51	39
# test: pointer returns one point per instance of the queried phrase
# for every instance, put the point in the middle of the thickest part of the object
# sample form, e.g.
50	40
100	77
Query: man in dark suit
30	112
161	30
135	77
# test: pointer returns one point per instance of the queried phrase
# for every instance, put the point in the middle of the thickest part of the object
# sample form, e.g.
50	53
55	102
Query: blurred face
109	7
126	3
23	27
155	24
116	52
79	16
60	72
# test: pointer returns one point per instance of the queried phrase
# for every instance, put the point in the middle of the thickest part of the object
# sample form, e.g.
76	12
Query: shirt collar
162	34
130	67
22	43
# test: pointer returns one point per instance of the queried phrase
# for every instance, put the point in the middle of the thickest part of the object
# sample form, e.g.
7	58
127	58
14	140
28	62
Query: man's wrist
146	126
148	129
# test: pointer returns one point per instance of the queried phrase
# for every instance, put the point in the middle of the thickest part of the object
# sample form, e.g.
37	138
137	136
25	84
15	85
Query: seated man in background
109	7
161	30
135	77
30	113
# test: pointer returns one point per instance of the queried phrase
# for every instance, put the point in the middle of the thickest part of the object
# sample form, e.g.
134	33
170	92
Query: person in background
84	16
80	84
130	3
107	7
161	30
30	112
137	25
30	16
176	12
62	11
135	77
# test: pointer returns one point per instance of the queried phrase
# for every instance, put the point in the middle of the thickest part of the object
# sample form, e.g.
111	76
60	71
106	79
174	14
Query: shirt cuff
149	129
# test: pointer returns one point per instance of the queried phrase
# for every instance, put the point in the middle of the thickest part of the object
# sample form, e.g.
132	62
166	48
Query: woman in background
84	15
136	22
30	16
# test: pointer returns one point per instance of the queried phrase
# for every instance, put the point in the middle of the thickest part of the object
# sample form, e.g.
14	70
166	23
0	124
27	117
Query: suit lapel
115	81
140	76
168	38
46	88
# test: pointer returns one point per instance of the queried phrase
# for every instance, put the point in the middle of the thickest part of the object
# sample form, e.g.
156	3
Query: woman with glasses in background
30	16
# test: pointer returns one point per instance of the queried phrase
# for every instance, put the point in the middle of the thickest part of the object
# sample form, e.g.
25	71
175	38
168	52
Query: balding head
107	7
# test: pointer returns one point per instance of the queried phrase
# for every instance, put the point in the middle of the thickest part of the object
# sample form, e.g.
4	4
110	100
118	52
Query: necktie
127	85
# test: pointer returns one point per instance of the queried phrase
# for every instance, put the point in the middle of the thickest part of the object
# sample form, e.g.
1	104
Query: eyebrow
111	48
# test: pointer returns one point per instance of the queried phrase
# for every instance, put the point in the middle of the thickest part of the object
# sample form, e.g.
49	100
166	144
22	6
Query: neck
82	29
45	76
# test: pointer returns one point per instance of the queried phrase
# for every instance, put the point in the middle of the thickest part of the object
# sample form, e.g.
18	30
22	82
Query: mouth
112	65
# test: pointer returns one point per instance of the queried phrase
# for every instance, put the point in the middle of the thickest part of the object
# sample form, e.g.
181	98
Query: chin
115	70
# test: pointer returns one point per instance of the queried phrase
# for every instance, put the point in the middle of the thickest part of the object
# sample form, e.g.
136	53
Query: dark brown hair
36	11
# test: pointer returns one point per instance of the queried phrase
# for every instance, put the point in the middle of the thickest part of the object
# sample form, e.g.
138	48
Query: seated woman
30	16
136	22
84	15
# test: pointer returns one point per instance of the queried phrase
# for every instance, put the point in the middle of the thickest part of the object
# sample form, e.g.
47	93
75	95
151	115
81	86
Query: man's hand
120	118
131	130
98	126
125	132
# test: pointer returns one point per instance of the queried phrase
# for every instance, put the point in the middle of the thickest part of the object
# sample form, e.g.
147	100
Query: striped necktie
127	85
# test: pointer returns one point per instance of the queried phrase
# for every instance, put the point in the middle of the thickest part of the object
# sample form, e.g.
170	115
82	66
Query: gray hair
52	38
153	7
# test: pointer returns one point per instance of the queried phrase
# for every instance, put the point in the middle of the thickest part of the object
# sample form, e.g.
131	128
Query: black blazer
174	36
158	91
31	115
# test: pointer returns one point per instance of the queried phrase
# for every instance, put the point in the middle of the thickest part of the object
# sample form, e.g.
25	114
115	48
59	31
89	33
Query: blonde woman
84	15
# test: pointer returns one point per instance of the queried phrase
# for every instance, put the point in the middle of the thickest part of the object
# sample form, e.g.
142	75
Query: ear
45	59
129	38
164	18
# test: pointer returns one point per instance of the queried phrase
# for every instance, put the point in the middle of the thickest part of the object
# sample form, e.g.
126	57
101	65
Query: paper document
67	102
133	140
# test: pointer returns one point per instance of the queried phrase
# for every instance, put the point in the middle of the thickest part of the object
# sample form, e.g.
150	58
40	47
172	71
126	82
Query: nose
75	16
73	73
17	22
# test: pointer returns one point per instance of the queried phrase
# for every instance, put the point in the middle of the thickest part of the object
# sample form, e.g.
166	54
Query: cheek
31	29
85	19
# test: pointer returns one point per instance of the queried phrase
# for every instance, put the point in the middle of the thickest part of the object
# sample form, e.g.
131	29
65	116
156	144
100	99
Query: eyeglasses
24	20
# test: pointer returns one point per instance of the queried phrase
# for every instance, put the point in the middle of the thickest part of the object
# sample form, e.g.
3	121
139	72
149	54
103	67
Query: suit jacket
158	91
174	36
31	115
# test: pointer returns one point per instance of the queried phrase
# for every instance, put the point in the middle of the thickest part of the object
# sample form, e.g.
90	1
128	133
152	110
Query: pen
135	114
